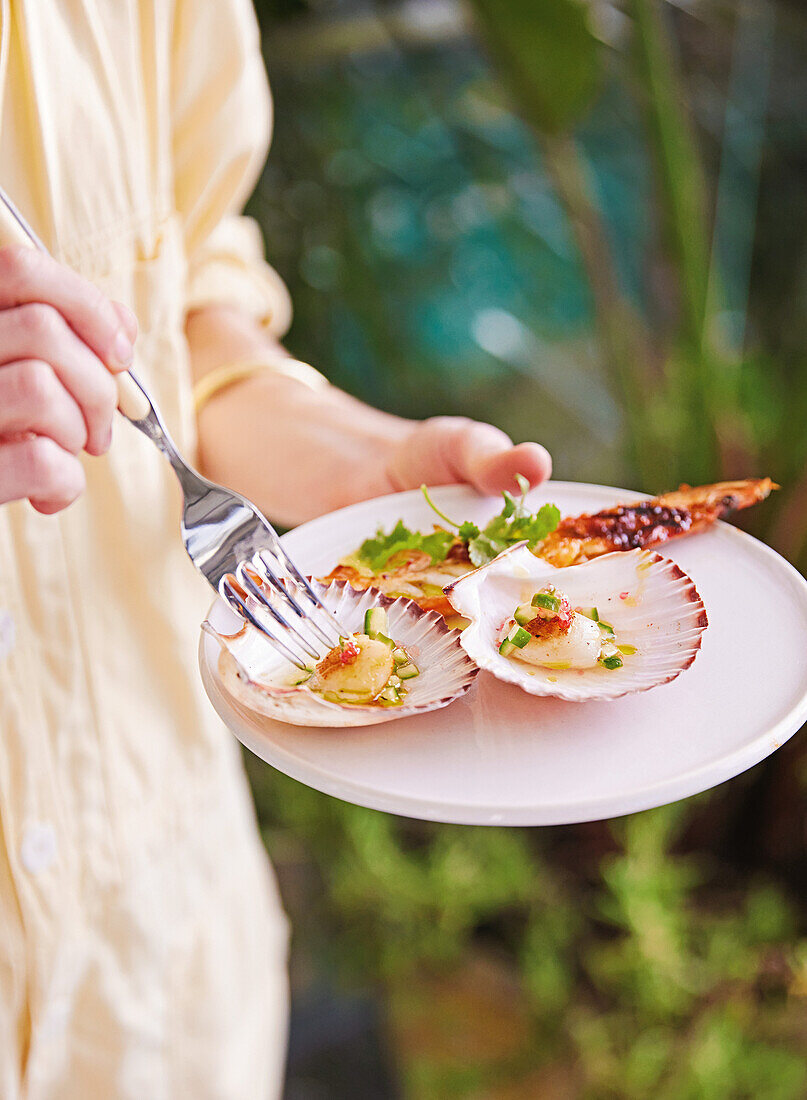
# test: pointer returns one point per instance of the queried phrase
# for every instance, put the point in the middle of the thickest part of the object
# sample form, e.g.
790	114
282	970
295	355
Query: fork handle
132	400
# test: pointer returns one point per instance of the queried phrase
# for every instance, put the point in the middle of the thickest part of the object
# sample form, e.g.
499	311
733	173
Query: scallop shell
258	677
651	603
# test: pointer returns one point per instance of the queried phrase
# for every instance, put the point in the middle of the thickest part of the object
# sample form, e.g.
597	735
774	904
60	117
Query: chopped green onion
547	602
628	650
590	613
606	628
611	662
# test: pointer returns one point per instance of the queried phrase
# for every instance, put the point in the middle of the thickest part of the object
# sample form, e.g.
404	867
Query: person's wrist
227	375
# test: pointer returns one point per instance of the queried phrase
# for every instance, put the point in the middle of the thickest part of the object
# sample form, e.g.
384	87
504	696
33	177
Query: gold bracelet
225	376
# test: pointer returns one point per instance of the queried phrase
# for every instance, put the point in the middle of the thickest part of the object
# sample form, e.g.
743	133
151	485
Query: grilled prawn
649	522
643	525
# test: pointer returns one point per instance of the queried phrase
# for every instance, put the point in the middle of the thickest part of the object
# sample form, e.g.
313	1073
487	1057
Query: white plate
501	757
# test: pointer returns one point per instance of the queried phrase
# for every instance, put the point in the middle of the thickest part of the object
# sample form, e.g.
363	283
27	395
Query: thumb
488	460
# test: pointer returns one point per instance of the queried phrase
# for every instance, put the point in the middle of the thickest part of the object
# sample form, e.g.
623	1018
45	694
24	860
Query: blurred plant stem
554	93
677	381
681	205
621	332
719	442
679	174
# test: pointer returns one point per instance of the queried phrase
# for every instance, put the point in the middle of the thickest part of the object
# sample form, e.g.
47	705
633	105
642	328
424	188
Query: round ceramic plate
501	757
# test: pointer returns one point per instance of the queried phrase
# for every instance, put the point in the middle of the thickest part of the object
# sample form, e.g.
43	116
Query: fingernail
122	349
128	319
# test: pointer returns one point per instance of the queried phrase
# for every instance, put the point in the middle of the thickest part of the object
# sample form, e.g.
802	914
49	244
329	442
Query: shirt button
8	633
38	849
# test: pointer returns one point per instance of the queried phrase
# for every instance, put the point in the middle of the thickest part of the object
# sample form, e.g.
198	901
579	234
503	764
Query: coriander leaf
535	527
437	544
513	524
484	549
372	548
378	562
498	527
377	552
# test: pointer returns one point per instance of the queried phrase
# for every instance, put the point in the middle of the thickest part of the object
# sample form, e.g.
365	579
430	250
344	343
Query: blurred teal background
584	222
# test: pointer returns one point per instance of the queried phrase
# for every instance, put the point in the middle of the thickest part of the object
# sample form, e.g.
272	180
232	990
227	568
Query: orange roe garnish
346	653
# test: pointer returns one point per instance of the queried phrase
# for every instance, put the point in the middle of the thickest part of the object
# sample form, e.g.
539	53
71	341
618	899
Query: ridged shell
249	668
651	603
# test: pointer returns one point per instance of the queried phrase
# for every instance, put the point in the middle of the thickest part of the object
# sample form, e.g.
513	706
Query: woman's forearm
298	452
295	451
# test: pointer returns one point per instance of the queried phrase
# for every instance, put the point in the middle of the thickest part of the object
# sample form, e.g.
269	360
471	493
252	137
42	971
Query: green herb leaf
534	527
513	524
438	544
484	549
377	551
509	505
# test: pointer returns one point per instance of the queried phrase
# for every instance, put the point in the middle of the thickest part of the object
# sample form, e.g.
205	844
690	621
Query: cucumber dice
517	638
390	697
375	622
524	614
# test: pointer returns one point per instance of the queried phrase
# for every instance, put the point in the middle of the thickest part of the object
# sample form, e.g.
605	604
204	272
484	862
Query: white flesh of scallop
259	678
651	603
580	648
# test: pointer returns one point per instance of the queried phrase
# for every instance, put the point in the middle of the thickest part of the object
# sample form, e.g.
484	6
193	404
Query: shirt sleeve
221	127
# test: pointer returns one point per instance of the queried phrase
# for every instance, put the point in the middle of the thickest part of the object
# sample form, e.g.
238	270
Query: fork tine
298	576
283	588
279	552
253	587
229	589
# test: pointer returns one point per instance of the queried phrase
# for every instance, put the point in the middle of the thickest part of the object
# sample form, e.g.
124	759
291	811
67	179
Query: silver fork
230	542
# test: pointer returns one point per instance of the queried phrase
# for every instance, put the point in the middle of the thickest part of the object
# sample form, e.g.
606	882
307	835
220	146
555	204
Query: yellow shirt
142	945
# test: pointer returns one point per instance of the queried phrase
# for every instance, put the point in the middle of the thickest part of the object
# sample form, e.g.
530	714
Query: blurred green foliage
562	242
634	970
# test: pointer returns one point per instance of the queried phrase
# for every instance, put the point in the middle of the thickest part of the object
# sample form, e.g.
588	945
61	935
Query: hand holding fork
63	348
